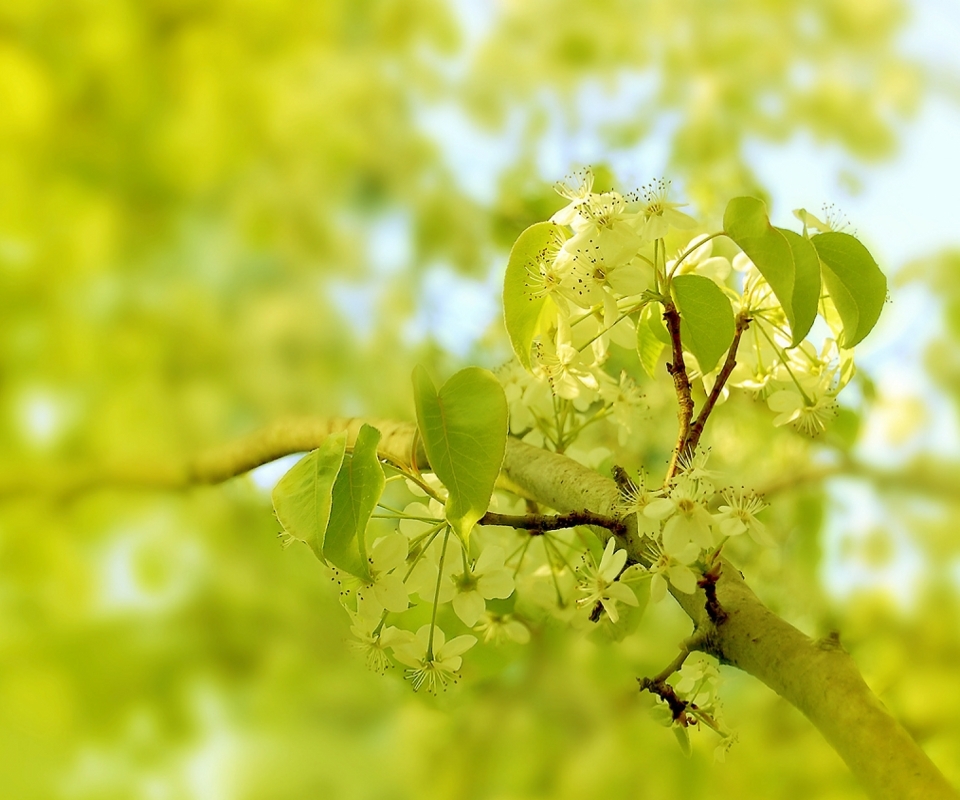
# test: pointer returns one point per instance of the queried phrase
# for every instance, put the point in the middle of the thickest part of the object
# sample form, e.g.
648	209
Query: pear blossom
738	515
432	664
489	579
694	467
659	214
618	327
687	520
807	411
599	582
577	191
673	570
425	578
635	500
605	231
834	219
498	628
372	641
562	366
625	401
701	262
757	361
385	590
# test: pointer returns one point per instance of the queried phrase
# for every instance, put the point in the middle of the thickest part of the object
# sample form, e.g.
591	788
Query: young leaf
650	342
706	318
745	221
854	281
523	299
806	285
302	497
355	494
464	432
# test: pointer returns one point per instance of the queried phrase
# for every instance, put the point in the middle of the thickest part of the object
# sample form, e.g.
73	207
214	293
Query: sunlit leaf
524	298
464	432
355	495
706	318
745	221
650	341
854	281
806	285
302	497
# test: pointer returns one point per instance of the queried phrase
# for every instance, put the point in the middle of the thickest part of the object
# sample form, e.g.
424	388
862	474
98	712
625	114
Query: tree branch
681	382
538	523
818	677
696	429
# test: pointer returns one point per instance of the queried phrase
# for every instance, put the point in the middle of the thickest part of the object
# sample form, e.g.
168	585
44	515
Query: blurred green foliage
215	213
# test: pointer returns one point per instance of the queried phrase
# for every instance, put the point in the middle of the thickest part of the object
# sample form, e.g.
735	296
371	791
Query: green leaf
355	495
706	319
650	343
302	497
464	432
523	300
745	221
854	281
806	285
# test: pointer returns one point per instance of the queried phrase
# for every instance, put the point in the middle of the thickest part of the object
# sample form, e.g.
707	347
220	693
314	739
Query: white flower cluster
799	384
609	267
681	535
425	563
696	685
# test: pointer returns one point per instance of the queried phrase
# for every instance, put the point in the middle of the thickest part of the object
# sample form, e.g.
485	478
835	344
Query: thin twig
658	683
538	523
681	382
696	429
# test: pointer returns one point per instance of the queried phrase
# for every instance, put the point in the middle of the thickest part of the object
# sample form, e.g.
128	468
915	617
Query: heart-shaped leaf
706	319
854	281
302	497
806	284
745	221
355	495
650	337
464	432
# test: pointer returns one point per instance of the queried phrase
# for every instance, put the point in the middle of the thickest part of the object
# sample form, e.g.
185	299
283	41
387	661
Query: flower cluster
607	264
684	527
696	687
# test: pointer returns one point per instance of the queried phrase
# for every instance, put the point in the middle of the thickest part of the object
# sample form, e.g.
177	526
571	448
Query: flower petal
389	552
456	646
469	606
497	584
391	593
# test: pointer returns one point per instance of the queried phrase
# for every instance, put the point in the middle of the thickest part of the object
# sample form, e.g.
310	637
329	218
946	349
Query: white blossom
432	666
385	590
488	580
599	582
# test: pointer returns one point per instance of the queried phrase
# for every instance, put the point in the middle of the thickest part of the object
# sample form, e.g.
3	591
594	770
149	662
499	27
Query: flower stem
436	594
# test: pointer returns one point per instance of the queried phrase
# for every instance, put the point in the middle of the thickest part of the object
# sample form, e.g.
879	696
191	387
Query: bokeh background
215	213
